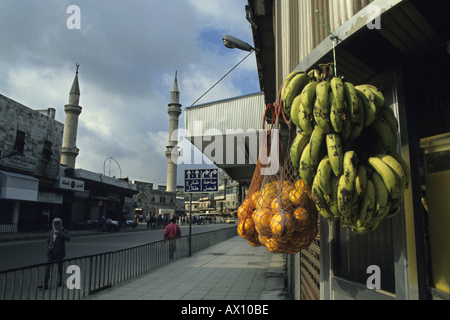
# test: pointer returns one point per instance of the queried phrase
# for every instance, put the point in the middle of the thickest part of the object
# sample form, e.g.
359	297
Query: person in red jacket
171	232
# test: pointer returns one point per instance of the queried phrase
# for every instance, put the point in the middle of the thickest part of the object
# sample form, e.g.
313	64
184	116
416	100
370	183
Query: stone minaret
174	112
69	148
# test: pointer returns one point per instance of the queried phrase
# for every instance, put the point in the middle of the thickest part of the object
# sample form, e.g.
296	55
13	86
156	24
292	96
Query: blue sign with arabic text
201	180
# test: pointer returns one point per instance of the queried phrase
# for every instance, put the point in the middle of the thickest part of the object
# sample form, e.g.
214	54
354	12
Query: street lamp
231	43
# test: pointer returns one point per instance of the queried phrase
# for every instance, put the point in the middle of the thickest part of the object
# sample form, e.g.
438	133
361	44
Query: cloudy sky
128	52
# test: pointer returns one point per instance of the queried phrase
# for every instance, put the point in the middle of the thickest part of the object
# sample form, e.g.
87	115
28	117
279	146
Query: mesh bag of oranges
278	211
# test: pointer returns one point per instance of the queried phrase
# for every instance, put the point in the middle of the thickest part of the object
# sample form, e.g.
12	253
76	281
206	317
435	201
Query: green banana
388	139
389	116
298	145
403	163
334	205
324	174
370	108
286	83
346	126
352	102
337	86
319	200
367	205
314	73
357	123
294	88
360	183
295	110
335	153
305	120
335	115
396	205
346	186
372	225
317	137
309	96
321	110
381	196
304	170
390	179
396	167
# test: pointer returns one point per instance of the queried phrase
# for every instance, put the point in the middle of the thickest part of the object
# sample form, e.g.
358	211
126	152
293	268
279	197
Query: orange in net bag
278	211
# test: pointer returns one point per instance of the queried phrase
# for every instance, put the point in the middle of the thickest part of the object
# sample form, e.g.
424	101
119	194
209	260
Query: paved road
15	254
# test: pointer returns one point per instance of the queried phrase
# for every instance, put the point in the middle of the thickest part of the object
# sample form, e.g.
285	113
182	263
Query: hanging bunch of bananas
346	149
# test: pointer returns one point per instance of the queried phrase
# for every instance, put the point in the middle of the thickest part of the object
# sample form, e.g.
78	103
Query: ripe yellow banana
381	196
295	87
295	110
367	205
352	102
321	110
370	108
403	163
298	145
396	167
305	120
388	139
323	175
392	182
309	96
305	171
346	187
335	153
317	138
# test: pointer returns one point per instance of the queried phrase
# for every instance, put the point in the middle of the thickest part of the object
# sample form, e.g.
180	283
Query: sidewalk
230	270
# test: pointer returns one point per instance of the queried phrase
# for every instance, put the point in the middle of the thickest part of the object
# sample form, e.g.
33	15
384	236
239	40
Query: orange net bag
278	211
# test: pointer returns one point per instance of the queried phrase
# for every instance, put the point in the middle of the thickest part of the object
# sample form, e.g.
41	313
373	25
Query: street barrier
87	275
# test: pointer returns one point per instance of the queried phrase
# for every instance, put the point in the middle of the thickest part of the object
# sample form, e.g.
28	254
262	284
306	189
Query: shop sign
71	184
113	197
19	162
129	201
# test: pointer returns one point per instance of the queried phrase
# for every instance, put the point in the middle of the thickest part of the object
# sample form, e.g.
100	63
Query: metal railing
86	275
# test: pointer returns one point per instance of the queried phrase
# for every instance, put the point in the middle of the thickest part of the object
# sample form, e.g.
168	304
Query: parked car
230	220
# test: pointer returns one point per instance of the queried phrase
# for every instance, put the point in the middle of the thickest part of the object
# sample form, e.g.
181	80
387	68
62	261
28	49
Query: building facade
30	150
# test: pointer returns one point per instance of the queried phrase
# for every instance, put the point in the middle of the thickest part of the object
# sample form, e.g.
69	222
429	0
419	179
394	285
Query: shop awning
15	186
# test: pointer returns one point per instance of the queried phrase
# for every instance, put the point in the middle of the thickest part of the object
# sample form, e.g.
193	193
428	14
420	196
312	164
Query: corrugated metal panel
298	31
244	113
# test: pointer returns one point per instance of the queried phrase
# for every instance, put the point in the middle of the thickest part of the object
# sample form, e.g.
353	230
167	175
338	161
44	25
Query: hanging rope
334	38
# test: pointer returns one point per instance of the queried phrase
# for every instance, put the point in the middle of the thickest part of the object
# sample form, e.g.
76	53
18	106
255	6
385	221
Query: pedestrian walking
56	250
171	232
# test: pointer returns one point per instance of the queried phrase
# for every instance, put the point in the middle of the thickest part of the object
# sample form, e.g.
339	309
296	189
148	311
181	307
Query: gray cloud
128	51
